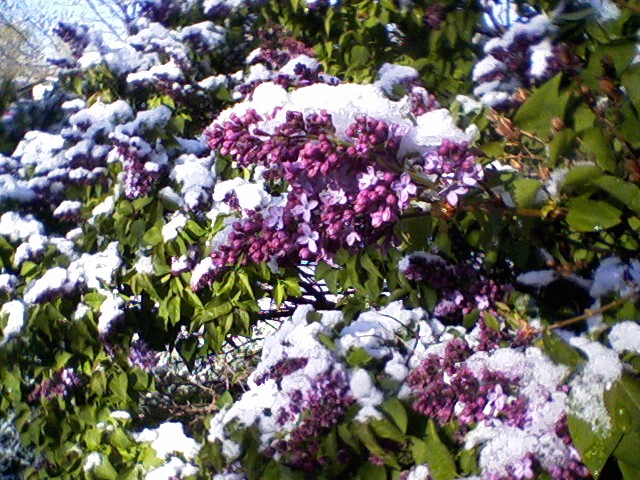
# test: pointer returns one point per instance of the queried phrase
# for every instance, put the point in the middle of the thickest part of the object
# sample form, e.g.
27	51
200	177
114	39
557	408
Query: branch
590	313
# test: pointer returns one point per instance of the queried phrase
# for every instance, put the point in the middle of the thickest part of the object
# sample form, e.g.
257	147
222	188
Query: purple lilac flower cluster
462	288
519	58
161	11
340	194
141	355
283	368
75	36
61	384
464	384
440	385
455	168
422	101
276	56
320	407
139	180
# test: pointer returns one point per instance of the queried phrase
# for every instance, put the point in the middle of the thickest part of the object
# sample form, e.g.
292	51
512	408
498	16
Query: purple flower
381	216
404	187
275	218
368	179
333	197
304	208
496	401
523	468
308	237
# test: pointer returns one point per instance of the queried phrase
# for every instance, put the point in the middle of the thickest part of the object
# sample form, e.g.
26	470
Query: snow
605	9
625	336
67	207
16	312
168	439
55	280
203	268
168	71
110	311
174	468
289	68
390	75
366	394
97	269
92	461
107	207
613	276
17	227
170	229
121	415
596	376
419	472
537	278
37	146
344	102
144	265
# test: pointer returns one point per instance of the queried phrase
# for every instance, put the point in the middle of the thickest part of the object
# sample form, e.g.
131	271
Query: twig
590	313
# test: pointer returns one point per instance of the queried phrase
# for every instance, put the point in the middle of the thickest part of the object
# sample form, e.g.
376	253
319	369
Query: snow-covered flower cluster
510	402
339	166
519	58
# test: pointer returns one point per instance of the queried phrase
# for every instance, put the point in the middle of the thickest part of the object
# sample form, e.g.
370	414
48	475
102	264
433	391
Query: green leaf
628	472
105	470
383	428
560	144
365	435
153	236
279	293
623	403
626	192
118	386
560	351
358	357
369	266
224	400
359	56
246	284
394	408
593	447
587	215
596	145
631	82
628	449
368	471
435	454
469	462
581	175
524	192
546	103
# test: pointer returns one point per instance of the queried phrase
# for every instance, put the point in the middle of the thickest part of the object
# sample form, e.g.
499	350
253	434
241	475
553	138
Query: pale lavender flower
274	218
366	180
304	208
334	197
308	237
404	187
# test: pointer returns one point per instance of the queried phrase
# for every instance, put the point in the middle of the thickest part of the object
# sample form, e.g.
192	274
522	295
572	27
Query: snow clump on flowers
519	58
335	173
301	388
